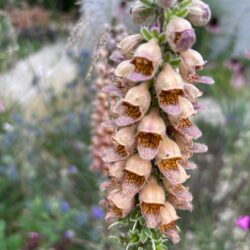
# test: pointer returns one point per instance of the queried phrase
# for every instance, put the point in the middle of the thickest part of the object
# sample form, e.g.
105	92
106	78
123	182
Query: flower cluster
152	120
101	136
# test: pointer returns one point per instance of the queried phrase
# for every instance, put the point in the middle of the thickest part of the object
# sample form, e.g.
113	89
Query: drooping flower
168	160
168	222
133	106
123	145
142	67
140	12
182	122
137	171
180	34
151	131
199	13
119	205
152	198
169	86
191	62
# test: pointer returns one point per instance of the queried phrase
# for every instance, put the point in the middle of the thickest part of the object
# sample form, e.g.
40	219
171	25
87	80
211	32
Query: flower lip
185	40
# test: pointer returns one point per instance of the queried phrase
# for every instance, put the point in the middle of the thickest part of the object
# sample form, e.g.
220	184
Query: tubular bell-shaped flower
169	86
129	44
152	198
123	145
151	131
182	123
168	162
180	34
134	106
142	67
168	222
137	172
118	205
192	61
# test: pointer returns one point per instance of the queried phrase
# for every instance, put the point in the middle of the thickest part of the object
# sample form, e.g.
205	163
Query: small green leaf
175	62
143	237
147	2
147	35
185	3
182	13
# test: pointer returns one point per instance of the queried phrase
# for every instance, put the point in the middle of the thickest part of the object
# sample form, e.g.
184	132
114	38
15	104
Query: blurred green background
48	196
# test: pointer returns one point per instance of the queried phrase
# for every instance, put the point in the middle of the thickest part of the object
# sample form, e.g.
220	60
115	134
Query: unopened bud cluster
155	88
101	136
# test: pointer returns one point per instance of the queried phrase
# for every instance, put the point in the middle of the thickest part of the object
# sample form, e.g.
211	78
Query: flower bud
180	34
169	86
140	12
168	222
119	205
129	44
137	172
134	106
199	13
152	198
151	131
191	61
123	145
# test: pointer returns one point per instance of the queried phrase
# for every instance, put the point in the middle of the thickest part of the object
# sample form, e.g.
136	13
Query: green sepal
175	62
143	237
148	2
182	13
185	3
146	34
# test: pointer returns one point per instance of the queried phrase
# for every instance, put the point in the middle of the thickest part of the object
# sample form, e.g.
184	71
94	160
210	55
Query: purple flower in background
243	222
72	169
64	206
69	234
97	212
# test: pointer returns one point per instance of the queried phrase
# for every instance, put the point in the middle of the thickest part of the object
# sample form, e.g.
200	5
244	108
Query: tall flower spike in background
152	141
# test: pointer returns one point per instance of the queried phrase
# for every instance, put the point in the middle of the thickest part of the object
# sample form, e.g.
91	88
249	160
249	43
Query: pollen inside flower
149	208
149	140
169	226
169	164
143	66
115	210
131	178
177	37
132	111
184	123
170	97
120	150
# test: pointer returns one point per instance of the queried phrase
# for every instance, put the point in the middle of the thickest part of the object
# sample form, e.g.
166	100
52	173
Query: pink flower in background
243	222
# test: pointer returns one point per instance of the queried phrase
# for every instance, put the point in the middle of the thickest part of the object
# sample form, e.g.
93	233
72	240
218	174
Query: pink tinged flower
180	34
116	171
152	198
167	161
169	86
118	205
142	67
134	106
179	196
129	44
123	145
182	123
117	56
192	93
191	62
199	13
140	12
168	222
151	131
137	171
243	222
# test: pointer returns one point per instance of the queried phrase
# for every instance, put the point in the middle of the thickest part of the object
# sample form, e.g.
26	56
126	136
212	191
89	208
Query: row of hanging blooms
153	96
